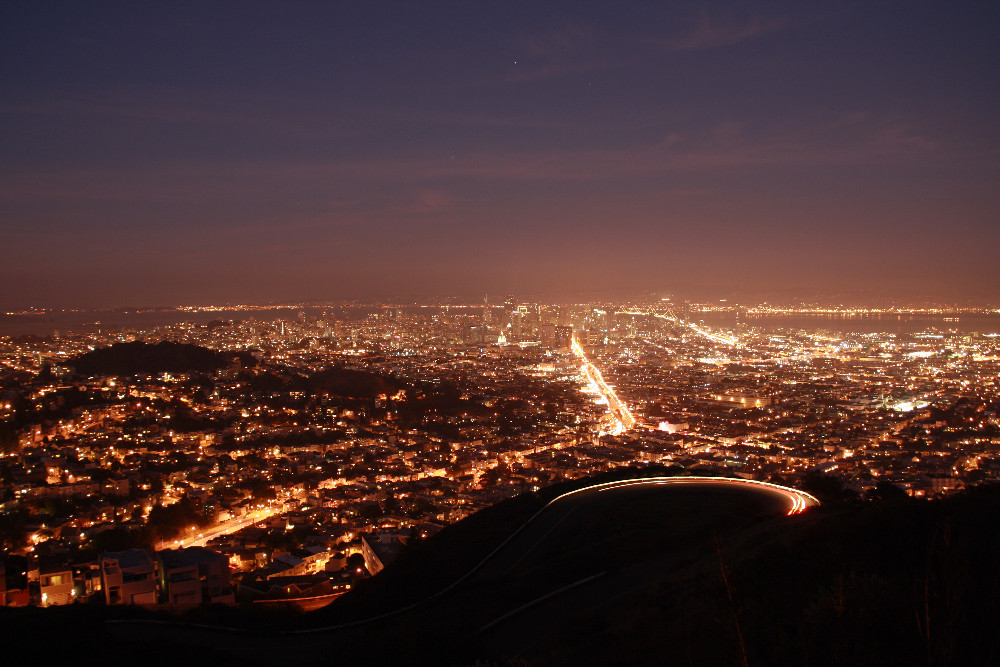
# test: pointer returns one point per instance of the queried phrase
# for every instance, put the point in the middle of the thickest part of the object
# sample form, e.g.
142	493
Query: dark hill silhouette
350	383
139	358
896	581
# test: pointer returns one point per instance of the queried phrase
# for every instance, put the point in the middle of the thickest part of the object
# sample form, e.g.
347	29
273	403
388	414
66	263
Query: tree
886	491
354	563
829	489
260	489
13	528
8	439
120	539
167	522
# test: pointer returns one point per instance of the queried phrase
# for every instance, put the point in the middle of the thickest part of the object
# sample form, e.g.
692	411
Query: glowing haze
262	151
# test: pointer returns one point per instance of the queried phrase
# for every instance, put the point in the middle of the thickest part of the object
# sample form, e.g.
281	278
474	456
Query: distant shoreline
90	321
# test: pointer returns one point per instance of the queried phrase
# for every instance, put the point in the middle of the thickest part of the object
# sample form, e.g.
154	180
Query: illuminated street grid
286	480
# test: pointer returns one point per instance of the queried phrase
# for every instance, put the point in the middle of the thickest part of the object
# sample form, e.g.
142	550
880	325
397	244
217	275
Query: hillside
890	582
669	578
906	582
139	358
350	383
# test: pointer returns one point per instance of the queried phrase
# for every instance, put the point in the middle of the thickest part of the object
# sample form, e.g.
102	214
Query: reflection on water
868	323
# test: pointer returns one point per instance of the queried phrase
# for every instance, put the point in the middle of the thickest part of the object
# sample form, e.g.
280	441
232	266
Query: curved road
533	551
524	548
561	513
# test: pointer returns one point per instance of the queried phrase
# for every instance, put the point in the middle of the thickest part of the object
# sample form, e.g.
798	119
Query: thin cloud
564	51
711	33
854	140
430	202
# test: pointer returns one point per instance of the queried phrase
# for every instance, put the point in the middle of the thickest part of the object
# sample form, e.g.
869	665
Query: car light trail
798	500
718	338
626	420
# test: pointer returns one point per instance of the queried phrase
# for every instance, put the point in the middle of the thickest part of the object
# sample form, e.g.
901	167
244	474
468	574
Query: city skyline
228	153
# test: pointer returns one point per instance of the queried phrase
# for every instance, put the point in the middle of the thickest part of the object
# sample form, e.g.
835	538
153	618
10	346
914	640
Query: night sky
207	152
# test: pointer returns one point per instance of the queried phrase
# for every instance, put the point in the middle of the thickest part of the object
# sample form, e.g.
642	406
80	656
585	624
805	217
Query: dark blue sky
160	153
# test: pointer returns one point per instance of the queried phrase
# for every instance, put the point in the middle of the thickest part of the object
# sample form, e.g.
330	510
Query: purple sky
174	152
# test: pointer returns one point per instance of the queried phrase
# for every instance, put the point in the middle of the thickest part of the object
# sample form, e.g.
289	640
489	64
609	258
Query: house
55	580
128	577
195	575
381	549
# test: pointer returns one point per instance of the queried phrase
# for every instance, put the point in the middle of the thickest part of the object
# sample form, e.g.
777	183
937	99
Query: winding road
541	603
559	514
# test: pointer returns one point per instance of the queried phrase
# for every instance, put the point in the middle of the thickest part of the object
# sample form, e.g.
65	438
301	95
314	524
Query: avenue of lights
624	420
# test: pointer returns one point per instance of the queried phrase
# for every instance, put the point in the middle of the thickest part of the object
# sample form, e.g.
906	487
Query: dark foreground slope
879	584
873	584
